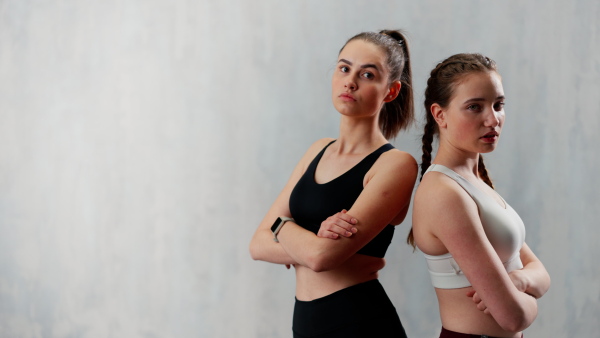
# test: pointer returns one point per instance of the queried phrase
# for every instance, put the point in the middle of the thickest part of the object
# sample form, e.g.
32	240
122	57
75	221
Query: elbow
519	320
254	251
517	325
319	263
545	286
316	264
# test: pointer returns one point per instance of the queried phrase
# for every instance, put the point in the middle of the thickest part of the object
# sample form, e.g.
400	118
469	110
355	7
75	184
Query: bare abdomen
357	269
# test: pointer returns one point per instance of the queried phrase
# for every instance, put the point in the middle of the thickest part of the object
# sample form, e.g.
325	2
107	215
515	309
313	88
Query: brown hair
440	89
398	114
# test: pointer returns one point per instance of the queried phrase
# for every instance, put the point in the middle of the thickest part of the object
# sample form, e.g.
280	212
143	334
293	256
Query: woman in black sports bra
335	217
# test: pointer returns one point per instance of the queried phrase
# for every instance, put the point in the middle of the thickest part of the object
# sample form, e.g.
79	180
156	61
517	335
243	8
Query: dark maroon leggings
451	334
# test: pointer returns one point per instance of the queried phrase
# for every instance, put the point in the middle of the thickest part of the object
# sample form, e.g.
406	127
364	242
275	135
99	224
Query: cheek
502	118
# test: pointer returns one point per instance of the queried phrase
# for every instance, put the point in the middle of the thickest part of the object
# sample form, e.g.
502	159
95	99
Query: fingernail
354	230
348	233
354	221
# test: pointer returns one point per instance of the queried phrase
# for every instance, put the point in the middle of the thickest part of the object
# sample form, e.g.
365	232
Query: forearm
263	248
309	250
516	313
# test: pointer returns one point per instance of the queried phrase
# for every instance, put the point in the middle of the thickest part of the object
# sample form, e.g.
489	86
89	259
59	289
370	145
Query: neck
359	135
463	162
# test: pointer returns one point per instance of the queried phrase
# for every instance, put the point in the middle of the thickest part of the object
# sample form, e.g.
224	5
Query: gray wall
141	142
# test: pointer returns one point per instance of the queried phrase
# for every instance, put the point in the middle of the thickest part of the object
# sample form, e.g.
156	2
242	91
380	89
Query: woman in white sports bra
486	278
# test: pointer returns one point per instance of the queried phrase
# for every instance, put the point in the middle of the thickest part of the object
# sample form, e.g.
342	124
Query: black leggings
362	310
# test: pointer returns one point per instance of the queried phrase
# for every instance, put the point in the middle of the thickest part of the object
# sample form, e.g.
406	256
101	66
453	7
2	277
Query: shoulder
319	144
313	151
394	168
438	190
394	160
440	197
316	147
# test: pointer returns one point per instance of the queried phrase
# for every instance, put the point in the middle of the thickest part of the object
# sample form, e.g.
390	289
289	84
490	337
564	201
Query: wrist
278	226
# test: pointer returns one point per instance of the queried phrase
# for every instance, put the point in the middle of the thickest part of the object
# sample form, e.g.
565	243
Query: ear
393	91
439	114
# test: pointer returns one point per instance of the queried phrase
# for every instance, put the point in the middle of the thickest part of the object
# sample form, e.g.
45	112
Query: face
474	117
360	83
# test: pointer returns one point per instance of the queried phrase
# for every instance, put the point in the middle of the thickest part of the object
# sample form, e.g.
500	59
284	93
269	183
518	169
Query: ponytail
398	114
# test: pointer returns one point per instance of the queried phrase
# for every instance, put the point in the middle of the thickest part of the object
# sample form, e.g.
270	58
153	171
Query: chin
488	149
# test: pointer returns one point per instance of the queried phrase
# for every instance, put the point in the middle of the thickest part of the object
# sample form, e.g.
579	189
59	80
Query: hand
519	279
478	301
340	224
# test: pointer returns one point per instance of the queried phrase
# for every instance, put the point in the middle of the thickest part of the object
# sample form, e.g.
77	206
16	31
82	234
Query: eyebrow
479	99
368	65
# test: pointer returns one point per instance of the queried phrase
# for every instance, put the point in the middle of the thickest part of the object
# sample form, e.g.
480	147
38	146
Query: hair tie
400	41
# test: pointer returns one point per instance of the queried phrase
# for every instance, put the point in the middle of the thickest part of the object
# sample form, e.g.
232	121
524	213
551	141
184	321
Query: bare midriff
460	314
311	285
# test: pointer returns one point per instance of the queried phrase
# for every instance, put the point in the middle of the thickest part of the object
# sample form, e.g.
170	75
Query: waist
458	313
357	269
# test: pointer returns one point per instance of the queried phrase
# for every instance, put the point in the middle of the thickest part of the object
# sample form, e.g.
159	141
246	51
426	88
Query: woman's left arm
533	279
386	194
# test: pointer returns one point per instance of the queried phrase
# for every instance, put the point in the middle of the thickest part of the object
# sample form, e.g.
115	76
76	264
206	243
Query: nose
350	84
493	119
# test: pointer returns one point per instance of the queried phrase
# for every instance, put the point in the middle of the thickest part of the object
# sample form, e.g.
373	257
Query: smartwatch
276	227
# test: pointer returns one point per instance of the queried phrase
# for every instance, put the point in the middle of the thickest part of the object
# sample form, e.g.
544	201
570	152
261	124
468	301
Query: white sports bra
504	229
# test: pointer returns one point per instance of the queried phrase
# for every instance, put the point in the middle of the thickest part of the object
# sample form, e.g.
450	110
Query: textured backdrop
142	141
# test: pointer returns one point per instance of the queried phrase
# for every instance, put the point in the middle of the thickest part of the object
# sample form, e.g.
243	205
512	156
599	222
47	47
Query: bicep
527	256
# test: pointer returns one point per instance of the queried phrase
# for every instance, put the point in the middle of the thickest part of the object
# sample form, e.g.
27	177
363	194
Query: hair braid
483	172
427	145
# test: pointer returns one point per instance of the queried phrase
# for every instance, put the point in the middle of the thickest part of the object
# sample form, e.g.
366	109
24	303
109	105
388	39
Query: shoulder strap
466	185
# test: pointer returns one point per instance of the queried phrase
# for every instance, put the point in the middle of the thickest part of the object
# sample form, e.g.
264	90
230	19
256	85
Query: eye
368	75
474	107
344	69
498	106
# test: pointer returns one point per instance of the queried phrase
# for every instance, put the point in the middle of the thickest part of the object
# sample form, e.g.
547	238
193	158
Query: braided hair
440	89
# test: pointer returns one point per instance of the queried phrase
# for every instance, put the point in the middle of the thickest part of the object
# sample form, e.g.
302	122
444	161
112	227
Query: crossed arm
385	197
532	279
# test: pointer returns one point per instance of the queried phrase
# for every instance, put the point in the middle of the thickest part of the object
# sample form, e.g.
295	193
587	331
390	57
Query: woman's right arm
461	232
262	246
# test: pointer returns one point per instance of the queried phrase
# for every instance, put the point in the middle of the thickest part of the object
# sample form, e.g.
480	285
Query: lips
491	136
347	97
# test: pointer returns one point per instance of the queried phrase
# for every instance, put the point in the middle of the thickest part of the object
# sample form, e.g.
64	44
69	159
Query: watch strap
279	222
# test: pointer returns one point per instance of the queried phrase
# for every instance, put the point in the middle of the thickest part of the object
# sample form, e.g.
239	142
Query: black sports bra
311	203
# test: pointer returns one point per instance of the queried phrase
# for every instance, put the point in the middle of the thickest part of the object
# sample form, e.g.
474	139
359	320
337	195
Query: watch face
276	224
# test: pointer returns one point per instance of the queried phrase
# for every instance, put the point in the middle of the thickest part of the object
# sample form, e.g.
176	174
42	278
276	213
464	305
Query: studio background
142	141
